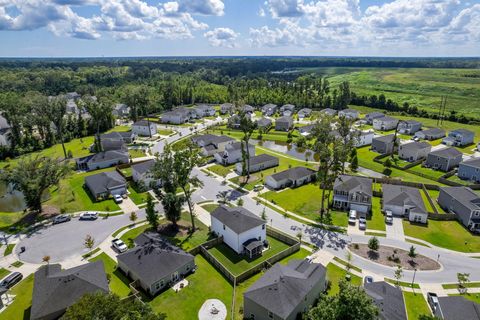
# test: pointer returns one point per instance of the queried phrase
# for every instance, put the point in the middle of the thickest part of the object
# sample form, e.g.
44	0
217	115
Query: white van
89	215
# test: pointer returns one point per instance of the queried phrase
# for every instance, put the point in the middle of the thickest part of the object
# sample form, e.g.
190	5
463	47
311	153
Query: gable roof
385	139
293	173
108	155
386	118
283	287
143	123
55	289
354	184
211	139
415	146
349	111
263	122
398	195
102	182
459	308
236	146
389	300
462	131
449	152
238	219
261	158
284	119
473	162
464	195
433	131
375	114
143	167
154	258
117	135
410	122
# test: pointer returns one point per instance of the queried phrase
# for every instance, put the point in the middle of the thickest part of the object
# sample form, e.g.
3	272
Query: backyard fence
442	216
427	195
207	245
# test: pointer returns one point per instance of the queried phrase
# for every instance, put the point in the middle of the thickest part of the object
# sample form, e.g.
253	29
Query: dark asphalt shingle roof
285	119
473	162
464	195
143	123
143	166
108	156
238	219
374	114
353	184
293	173
55	289
236	146
261	158
116	135
211	139
389	300
386	139
154	258
402	195
459	308
449	152
283	287
433	132
264	122
102	182
387	118
462	131
415	146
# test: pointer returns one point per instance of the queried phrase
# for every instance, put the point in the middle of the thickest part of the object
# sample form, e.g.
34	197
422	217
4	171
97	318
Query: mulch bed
169	230
383	254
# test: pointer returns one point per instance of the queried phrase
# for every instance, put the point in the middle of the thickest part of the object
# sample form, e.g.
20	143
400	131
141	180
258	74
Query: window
223	227
270	314
263	227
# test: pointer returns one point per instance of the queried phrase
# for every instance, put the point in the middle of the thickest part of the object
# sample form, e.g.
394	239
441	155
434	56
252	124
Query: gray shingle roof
143	166
112	144
55	290
415	146
283	287
102	182
353	184
143	123
236	146
402	195
261	158
108	155
264	122
411	122
473	162
238	219
387	139
464	195
433	131
449	152
293	173
116	135
389	300
375	114
154	258
284	119
459	308
462	131
329	111
387	118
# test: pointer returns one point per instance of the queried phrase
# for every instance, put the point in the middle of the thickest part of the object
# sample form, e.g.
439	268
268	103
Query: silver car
362	223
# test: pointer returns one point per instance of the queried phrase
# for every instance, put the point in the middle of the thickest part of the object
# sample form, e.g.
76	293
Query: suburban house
404	201
329	112
285	291
155	264
464	202
204	110
211	144
409	127
293	177
259	163
234	121
121	110
351	114
304	113
178	115
430	134
103	160
243	231
4	132
470	170
456	308
264	123
227	108
414	151
144	128
388	299
248	109
369	117
55	289
364	138
72	108
306	130
104	184
353	193
385	123
459	138
269	109
142	174
126	136
233	153
115	141
383	144
444	159
284	123
287	110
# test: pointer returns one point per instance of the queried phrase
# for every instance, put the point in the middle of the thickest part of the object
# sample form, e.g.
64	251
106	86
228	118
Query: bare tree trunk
190	207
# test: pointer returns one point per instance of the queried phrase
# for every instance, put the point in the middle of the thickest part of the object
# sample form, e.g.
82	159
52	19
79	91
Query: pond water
289	149
10	200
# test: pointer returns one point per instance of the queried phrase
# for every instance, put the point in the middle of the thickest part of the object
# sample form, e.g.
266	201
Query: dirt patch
170	231
243	179
390	256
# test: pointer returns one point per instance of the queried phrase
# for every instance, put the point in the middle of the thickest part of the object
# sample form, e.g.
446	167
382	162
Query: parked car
258	187
432	299
119	245
89	215
368	279
11	280
61	218
388	217
117	198
362	223
352	217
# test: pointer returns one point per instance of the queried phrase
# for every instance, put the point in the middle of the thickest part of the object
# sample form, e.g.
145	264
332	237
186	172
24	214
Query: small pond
11	200
289	149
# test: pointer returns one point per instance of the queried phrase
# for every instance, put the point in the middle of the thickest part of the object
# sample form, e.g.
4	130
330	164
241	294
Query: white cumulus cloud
221	37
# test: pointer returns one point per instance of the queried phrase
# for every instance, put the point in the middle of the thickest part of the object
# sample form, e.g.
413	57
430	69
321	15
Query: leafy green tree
101	117
373	244
89	242
354	163
398	274
463	280
351	303
172	204
33	176
133	216
109	306
412	252
151	213
348	138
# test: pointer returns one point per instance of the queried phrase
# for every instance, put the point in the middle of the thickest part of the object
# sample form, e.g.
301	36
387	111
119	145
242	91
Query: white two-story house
233	153
144	128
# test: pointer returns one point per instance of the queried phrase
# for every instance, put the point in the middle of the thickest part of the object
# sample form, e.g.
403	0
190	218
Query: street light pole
414	273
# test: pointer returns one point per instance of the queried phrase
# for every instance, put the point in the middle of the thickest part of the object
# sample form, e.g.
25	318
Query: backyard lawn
376	221
210	207
20	307
205	283
118	281
447	234
130	235
335	274
434	196
272	135
136	153
304	201
415	304
428	206
237	264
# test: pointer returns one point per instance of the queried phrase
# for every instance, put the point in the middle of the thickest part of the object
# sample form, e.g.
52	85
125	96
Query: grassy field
416	305
236	263
9	218
304	201
419	87
118	281
447	234
335	274
221	170
376	221
164	132
20	307
210	207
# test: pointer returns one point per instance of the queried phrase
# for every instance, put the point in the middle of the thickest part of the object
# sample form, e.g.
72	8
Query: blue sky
86	28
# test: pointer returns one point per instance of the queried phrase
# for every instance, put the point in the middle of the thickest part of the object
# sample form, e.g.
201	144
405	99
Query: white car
117	198
362	223
89	215
388	217
119	245
352	217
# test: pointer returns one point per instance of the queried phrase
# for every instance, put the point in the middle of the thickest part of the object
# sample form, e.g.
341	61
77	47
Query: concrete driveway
395	230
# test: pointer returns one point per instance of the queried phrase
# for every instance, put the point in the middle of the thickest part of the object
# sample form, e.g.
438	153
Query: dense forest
151	85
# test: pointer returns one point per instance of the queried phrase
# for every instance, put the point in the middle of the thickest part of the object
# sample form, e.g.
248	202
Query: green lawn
137	197
127	172
20	307
434	196
130	235
205	283
118	281
335	274
402	283
210	207
136	153
8	249
9	218
237	264
304	201
72	196
416	305
164	132
221	170
455	285
376	221
456	179
3	273
447	234
428	206
272	135
429	173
